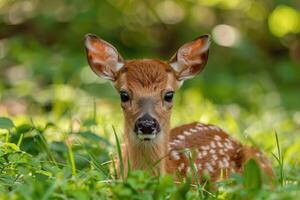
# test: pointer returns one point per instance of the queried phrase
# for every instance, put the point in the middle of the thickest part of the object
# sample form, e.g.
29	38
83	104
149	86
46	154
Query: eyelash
169	96
124	96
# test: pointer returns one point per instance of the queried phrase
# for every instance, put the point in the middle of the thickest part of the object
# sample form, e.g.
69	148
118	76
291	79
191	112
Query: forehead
146	74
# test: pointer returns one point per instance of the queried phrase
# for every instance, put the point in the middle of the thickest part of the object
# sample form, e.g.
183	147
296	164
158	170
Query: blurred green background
250	87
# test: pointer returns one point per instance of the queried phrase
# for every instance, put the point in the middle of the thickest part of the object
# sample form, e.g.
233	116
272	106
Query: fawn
146	88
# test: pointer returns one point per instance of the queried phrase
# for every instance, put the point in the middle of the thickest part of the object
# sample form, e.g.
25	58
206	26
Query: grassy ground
66	153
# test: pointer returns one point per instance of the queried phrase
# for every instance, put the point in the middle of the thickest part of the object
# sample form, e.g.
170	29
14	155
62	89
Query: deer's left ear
191	58
103	58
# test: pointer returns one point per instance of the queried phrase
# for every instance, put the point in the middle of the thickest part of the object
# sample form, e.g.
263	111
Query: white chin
146	136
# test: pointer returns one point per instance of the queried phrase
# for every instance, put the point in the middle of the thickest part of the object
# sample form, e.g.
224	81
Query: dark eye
124	96
169	96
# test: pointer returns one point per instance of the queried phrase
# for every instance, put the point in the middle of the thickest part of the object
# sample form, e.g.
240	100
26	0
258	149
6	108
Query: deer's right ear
191	58
103	58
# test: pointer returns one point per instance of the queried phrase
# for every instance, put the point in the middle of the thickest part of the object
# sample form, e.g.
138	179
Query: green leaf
6	123
24	128
93	137
165	186
182	191
252	176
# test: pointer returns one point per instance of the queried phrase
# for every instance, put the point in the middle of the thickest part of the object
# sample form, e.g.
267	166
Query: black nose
146	125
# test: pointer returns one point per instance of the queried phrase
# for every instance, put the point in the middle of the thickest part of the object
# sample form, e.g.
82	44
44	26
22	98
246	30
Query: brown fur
237	156
144	78
146	74
146	81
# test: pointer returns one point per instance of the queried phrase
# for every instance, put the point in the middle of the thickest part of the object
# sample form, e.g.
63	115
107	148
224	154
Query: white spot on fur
228	140
200	155
215	128
205	147
217	138
204	153
220	163
214	157
225	162
205	128
181	166
209	167
187	133
220	144
193	130
175	155
228	145
181	137
177	141
221	151
212	151
199	128
212	144
213	162
199	166
172	144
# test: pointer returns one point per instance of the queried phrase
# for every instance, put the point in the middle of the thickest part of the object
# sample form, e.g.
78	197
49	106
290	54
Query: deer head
146	86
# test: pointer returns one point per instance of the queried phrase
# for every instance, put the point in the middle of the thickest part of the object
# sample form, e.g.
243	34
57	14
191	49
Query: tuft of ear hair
103	57
191	58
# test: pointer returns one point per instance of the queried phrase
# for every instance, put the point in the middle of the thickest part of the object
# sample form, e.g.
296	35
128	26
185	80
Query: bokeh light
284	20
170	12
226	35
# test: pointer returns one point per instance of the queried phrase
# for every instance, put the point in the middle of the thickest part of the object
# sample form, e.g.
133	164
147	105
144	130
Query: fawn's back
207	148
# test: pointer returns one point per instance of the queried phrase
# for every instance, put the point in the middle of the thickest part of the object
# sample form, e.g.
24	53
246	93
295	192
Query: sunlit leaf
252	176
6	123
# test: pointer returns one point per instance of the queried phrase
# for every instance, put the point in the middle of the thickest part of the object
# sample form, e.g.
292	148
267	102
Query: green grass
55	156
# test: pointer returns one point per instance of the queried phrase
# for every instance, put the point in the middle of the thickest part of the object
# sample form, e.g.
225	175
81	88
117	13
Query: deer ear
191	58
103	58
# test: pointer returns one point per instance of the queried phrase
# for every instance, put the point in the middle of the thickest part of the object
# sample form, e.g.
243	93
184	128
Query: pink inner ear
102	57
99	51
192	52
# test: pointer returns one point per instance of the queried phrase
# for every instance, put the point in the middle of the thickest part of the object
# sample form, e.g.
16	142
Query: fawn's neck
147	155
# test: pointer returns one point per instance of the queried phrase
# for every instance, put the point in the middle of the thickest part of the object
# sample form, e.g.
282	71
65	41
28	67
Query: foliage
48	173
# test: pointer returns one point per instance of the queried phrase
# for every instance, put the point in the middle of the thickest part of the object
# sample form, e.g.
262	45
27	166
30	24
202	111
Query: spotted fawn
146	88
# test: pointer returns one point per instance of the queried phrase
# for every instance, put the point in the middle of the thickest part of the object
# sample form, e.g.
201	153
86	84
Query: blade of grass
71	157
44	143
115	173
128	163
119	153
93	160
195	174
20	140
279	159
